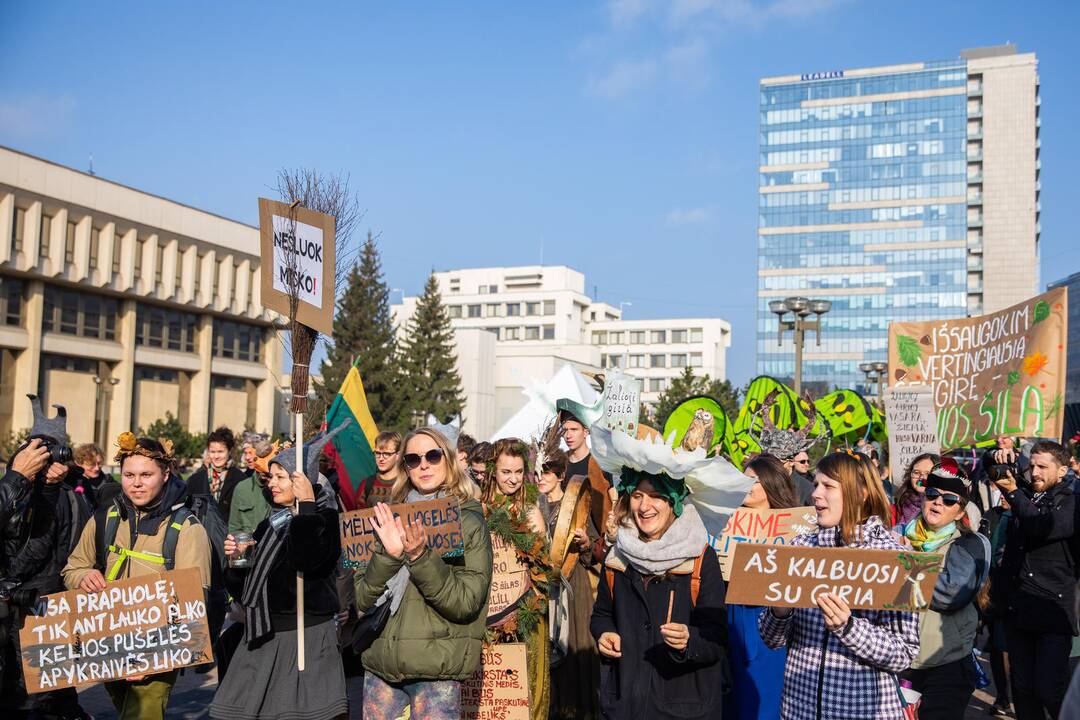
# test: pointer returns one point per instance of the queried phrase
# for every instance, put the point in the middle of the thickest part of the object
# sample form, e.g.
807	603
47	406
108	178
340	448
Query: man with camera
1038	588
40	519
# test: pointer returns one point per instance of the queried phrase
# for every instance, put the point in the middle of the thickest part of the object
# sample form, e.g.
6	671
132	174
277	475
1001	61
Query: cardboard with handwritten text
792	576
912	423
997	374
622	402
500	688
441	519
761	527
138	626
509	582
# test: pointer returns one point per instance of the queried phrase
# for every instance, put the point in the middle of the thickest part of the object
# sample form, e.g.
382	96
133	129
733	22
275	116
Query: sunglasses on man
433	457
949	499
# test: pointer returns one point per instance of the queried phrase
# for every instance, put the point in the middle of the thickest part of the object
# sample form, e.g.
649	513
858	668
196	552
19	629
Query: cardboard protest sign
500	688
761	527
139	626
622	402
509	582
297	251
441	518
792	576
912	423
996	374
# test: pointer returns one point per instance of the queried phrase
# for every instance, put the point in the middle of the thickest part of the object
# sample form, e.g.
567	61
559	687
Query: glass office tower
871	195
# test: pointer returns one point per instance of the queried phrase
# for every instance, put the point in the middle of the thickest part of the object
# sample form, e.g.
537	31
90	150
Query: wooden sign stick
300	576
670	605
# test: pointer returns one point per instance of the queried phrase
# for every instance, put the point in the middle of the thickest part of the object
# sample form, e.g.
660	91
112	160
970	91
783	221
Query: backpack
695	580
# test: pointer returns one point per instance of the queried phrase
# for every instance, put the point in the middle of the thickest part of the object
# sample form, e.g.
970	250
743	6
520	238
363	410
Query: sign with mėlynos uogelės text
992	375
441	519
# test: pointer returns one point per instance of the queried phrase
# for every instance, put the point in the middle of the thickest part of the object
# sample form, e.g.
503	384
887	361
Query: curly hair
511	447
224	436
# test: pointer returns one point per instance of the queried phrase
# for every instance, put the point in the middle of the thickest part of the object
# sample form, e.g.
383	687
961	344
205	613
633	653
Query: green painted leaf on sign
1042	311
910	352
1014	377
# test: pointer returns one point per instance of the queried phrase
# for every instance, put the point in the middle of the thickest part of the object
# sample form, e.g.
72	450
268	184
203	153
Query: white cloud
693	27
624	77
35	115
692	216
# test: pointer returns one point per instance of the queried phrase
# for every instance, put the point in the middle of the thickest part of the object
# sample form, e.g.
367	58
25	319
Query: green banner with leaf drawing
996	374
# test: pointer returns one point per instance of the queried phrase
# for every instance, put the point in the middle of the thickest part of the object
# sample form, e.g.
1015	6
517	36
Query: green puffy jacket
438	630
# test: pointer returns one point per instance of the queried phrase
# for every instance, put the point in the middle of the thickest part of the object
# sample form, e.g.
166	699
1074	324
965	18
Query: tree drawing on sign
910	352
911	596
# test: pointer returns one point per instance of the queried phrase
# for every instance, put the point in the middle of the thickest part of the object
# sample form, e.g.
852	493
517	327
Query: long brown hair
856	477
775	481
513	448
458	483
907	488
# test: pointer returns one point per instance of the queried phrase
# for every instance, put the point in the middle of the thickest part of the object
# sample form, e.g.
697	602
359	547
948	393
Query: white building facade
517	325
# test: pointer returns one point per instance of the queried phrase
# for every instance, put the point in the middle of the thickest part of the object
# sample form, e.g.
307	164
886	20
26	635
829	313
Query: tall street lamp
800	308
875	373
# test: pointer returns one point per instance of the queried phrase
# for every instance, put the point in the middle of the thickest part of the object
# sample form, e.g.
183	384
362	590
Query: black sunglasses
433	457
948	498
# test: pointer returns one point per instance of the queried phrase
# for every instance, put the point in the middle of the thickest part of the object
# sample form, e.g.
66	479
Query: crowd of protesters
626	615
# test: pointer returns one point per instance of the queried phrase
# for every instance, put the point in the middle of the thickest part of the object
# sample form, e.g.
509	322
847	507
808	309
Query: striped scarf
255	596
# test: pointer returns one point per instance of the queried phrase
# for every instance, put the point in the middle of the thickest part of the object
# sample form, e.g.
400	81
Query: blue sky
621	137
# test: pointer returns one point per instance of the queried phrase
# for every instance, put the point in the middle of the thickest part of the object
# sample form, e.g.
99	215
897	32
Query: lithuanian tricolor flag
351	450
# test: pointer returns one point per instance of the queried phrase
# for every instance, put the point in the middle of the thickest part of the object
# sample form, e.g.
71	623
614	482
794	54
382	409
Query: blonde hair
856	474
458	482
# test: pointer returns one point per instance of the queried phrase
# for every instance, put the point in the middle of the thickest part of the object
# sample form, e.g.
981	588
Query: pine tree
364	332
428	359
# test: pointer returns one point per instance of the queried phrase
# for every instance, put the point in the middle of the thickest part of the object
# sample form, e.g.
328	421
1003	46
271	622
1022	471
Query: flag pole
300	576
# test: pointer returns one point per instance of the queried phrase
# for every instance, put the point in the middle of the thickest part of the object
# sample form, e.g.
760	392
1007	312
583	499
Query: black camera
996	471
59	452
13	595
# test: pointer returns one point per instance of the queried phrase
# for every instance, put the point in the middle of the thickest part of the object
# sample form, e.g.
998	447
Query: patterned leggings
428	699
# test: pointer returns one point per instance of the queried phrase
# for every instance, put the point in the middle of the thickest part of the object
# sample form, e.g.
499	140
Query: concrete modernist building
123	306
907	192
517	324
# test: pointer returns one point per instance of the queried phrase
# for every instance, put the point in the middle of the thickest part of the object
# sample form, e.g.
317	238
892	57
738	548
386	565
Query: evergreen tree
428	360
688	385
364	332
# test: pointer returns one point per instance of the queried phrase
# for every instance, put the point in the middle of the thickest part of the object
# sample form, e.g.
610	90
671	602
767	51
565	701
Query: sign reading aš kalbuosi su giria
297	250
996	374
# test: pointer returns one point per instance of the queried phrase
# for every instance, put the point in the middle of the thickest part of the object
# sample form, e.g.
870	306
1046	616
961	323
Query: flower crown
128	445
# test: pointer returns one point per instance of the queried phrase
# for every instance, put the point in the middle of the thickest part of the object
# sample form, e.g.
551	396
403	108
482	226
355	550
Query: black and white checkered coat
847	675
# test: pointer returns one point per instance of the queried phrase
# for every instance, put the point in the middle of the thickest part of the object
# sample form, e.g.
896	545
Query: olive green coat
438	630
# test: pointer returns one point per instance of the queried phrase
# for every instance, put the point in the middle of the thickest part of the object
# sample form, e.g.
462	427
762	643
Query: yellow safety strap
124	554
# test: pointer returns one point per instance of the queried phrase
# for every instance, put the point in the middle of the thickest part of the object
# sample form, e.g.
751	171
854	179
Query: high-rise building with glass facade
907	192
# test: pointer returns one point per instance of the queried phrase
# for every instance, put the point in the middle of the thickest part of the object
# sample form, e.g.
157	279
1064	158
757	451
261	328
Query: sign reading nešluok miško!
996	374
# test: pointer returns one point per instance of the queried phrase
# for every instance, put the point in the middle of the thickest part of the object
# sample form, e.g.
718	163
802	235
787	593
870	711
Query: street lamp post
800	308
875	373
103	391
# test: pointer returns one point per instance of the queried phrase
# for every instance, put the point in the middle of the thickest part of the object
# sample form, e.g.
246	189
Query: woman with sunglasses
438	605
908	498
944	670
843	663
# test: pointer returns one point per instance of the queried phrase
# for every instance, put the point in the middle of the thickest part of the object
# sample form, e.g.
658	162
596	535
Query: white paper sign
622	402
912	421
307	246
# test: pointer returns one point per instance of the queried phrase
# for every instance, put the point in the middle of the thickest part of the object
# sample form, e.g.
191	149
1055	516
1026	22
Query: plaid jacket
849	676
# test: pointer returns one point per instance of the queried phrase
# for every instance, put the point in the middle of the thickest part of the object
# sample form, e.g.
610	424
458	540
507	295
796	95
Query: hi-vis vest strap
105	540
695	580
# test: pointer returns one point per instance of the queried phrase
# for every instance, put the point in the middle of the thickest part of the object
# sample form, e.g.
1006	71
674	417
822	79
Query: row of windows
948	74
878	174
529	332
642	337
142	372
653	360
856	151
237	341
166	329
890	193
802	216
853	131
510	309
83	314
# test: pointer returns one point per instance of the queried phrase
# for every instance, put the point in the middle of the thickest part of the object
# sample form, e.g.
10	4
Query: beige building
123	306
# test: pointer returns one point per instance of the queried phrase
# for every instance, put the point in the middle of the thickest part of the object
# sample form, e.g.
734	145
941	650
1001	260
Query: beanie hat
949	476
